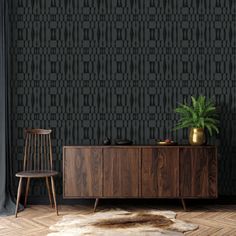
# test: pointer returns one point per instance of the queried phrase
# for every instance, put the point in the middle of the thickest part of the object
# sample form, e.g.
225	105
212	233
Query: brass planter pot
197	136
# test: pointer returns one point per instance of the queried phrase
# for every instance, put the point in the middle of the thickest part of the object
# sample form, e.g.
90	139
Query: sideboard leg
183	204
95	204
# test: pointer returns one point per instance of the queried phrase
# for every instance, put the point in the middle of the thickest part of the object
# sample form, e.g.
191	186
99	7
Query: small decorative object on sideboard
198	116
107	141
167	142
123	142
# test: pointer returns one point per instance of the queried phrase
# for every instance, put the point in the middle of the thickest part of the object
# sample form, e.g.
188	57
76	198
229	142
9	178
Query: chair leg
54	194
18	195
27	191
49	191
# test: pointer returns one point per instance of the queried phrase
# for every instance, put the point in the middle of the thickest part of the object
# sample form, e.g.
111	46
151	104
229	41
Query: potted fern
198	116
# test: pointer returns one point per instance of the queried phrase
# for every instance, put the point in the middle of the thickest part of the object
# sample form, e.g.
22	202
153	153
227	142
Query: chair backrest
38	150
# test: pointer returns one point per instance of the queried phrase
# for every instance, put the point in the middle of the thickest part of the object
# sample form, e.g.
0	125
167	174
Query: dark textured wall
95	68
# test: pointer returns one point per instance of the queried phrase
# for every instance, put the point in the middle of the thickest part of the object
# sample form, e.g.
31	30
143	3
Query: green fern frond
201	113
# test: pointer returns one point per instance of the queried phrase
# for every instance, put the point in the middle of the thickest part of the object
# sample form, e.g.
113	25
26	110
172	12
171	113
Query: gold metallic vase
197	136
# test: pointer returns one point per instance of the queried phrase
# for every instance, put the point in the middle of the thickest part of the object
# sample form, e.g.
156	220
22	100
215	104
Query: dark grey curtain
7	205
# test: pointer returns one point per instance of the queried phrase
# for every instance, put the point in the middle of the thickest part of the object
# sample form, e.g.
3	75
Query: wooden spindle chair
37	163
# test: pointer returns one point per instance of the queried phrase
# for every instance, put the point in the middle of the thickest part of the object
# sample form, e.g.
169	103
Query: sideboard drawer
160	172
198	172
82	172
121	172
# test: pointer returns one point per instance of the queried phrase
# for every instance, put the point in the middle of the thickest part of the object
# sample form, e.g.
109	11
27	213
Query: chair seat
36	173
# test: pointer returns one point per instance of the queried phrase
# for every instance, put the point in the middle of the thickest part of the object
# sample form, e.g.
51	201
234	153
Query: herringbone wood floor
36	220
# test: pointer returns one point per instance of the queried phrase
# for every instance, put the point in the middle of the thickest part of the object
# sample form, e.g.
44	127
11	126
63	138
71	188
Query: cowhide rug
120	222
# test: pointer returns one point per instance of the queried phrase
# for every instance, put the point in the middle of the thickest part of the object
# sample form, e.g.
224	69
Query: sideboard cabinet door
198	172
121	172
160	172
82	172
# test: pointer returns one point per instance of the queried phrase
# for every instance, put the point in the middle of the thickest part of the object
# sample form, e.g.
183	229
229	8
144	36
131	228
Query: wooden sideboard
140	172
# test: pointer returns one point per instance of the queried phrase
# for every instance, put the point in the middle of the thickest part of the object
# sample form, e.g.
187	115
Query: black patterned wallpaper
95	68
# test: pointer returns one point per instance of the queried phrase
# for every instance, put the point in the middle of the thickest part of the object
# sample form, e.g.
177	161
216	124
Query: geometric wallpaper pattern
117	68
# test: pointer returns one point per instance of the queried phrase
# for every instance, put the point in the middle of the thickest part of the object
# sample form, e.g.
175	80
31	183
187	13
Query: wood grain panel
82	172
212	172
198	172
160	172
121	172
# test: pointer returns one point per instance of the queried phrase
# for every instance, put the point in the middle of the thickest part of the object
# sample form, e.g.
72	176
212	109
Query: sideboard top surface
139	146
